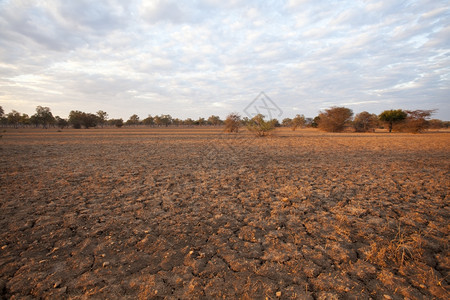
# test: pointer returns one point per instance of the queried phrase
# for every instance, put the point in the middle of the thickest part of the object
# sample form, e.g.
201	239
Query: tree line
334	119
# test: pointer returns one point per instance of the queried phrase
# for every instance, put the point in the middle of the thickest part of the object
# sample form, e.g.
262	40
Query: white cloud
206	57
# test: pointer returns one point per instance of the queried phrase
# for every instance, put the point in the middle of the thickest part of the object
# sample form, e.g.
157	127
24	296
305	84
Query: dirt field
196	214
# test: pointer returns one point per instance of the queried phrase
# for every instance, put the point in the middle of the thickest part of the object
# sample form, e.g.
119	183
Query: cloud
206	57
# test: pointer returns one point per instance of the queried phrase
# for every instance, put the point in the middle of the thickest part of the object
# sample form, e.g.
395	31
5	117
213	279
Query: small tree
78	118
102	117
44	116
335	119
133	120
232	122
24	120
392	117
61	123
214	120
116	122
258	126
298	121
148	121
14	118
201	121
166	120
365	122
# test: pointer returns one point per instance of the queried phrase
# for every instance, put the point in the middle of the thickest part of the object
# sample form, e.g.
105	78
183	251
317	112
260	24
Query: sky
196	58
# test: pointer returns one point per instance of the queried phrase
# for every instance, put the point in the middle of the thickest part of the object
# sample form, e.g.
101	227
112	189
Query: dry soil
198	214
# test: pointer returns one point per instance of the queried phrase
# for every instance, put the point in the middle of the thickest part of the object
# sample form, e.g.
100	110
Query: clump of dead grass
404	248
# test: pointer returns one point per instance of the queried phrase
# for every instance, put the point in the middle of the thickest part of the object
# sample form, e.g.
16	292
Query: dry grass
196	213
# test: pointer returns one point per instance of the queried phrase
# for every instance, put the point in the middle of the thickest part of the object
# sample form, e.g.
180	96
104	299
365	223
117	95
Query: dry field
197	214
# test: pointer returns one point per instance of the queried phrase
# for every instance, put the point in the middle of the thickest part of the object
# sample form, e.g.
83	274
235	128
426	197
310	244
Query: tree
133	120
116	122
166	120
365	122
200	121
61	123
335	119
258	126
214	120
232	122
44	116
24	120
3	120
392	117
102	117
78	118
298	121
189	122
148	121
14	118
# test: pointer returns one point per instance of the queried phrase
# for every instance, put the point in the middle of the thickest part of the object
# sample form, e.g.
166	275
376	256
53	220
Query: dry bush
259	126
416	121
232	122
335	119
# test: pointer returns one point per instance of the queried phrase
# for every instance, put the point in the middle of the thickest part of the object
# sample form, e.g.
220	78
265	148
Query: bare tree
365	122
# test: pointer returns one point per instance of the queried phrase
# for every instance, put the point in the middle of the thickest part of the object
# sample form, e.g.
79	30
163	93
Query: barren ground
196	214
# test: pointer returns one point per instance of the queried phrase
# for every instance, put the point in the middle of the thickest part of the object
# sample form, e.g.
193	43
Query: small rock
278	294
4	247
57	284
387	297
105	264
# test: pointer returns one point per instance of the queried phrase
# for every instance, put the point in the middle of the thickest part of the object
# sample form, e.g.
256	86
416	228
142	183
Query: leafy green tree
365	122
335	119
392	117
298	121
232	123
259	126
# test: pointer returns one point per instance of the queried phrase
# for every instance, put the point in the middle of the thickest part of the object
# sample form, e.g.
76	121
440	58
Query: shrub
335	119
232	122
259	127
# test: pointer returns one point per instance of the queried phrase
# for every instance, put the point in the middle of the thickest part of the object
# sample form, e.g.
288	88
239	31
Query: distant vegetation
334	119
